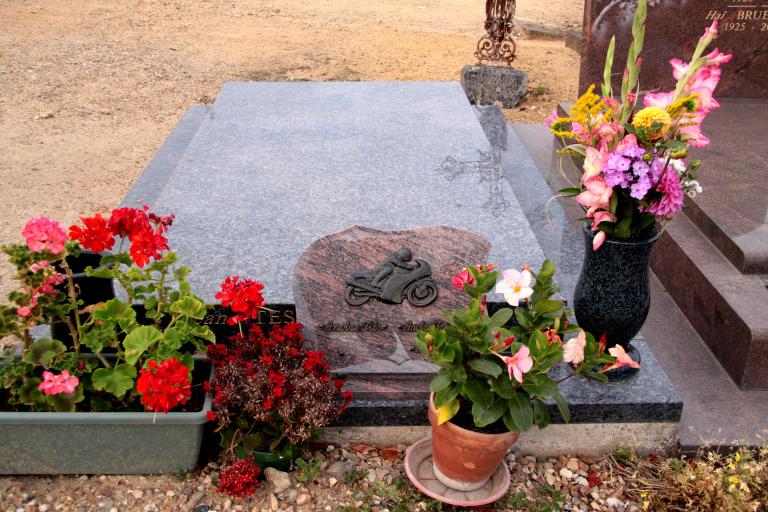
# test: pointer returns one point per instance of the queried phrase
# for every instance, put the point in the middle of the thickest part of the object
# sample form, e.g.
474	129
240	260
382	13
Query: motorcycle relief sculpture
395	279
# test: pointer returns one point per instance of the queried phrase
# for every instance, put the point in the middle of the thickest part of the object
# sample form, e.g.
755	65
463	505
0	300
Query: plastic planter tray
45	443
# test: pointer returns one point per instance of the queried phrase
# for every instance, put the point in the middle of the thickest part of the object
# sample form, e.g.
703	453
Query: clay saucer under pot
418	467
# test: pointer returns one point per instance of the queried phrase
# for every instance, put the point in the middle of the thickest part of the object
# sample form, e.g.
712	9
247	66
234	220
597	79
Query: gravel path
357	477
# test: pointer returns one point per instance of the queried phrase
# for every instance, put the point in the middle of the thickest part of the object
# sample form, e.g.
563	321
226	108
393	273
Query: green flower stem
161	296
103	360
632	71
607	71
72	293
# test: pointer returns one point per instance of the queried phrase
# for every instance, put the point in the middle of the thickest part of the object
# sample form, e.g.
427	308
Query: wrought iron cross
497	46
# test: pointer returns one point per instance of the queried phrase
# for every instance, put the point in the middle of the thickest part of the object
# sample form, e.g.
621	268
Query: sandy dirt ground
91	89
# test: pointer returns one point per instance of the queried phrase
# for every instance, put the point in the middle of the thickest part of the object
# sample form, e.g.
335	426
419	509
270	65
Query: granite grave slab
673	27
275	166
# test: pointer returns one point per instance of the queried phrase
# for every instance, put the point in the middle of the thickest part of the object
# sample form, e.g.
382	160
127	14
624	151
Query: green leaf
548	306
441	381
139	341
521	411
115	310
191	307
44	351
501	317
540	385
117	380
503	386
485	366
447	411
523	317
447	395
459	375
570	191
485	416
509	422
65	402
30	394
540	413
478	392
562	406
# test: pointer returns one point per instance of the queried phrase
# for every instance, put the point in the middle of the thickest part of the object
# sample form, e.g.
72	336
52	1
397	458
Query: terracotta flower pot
464	460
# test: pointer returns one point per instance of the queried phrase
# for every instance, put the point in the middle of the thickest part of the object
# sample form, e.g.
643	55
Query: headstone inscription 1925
673	28
362	294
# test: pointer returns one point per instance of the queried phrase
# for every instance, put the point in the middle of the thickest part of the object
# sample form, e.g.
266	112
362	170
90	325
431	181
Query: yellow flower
737	457
734	480
646	505
647	117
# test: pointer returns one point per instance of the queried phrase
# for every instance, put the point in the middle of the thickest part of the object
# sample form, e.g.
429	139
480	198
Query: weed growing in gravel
354	476
547	499
710	481
308	469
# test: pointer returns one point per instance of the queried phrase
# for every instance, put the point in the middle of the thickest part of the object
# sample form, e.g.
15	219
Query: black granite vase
613	294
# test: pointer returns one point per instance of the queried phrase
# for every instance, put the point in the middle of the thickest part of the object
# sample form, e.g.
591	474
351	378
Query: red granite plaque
672	29
365	316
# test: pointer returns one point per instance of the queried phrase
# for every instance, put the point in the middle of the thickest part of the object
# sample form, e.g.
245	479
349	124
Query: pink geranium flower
465	277
573	352
55	384
518	364
42	233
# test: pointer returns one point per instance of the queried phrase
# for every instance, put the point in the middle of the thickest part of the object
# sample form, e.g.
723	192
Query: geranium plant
269	392
496	376
635	176
113	359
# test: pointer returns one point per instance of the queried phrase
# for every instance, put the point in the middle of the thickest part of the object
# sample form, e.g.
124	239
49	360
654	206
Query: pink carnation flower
42	233
55	384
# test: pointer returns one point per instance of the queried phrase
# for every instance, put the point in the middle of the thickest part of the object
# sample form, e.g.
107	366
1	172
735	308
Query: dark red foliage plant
269	393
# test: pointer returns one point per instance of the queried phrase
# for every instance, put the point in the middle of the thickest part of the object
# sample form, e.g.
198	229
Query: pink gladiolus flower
596	194
465	277
573	352
515	285
622	359
55	384
42	233
597	242
518	364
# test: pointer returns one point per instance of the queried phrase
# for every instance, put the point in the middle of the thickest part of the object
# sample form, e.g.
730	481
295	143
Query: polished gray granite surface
273	166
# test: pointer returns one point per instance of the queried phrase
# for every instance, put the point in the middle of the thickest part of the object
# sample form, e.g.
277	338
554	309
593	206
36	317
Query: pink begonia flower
515	285
465	277
518	364
573	352
42	233
55	384
622	359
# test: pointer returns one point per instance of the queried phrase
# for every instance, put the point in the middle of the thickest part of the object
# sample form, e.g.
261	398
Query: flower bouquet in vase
631	151
494	381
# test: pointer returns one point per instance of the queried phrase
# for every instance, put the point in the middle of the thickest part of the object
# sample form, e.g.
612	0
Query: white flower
515	285
573	352
678	165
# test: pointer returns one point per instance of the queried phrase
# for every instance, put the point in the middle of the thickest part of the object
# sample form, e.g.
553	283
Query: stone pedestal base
485	85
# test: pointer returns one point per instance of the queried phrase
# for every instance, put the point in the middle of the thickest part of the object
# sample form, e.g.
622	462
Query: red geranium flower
147	244
96	236
164	386
242	297
125	221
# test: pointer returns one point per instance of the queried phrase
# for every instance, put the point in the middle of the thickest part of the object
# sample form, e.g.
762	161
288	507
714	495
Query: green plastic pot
48	443
272	460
